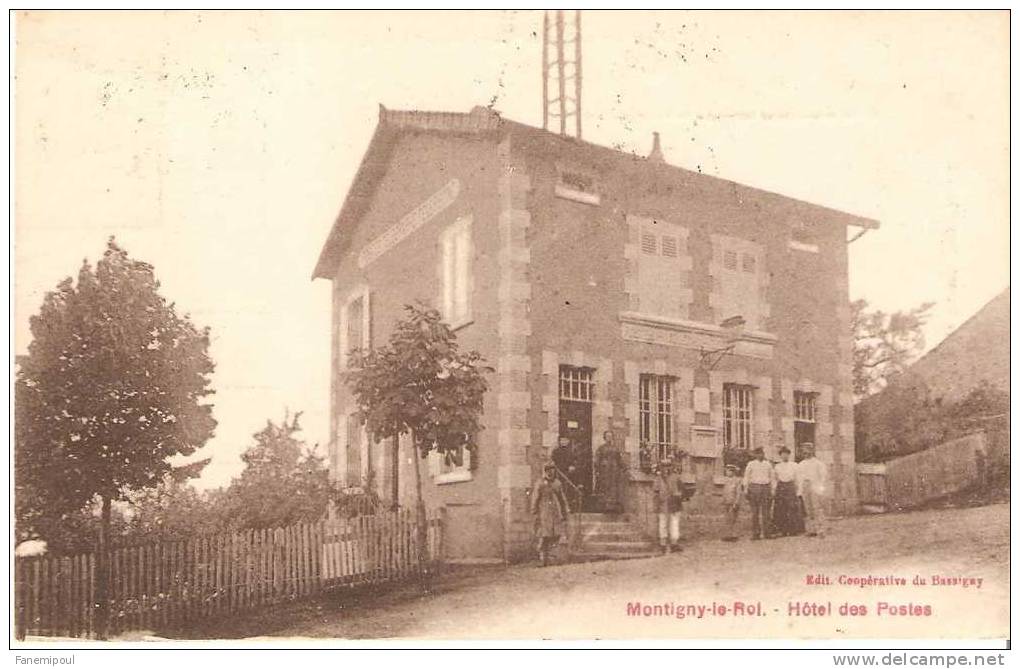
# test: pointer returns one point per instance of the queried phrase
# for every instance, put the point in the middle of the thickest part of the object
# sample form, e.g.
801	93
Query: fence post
102	618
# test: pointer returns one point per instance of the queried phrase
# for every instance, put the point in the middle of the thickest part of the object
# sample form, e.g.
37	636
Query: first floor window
655	415
455	272
354	327
738	412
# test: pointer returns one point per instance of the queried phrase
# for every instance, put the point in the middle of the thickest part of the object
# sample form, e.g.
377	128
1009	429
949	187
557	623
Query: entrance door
575	424
803	433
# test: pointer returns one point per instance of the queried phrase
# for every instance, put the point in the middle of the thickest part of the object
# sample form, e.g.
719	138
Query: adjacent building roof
976	351
487	123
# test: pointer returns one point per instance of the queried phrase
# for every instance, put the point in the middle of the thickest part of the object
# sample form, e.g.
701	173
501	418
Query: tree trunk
422	523
103	571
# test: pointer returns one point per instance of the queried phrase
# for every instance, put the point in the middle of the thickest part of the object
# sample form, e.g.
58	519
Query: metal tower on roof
561	71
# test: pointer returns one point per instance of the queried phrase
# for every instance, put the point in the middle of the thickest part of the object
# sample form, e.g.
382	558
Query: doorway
576	395
575	424
803	433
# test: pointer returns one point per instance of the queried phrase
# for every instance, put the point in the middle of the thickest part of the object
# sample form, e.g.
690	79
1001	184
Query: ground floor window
452	465
738	414
655	418
354	446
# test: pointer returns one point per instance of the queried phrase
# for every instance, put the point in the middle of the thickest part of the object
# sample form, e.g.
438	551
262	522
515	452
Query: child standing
733	490
668	500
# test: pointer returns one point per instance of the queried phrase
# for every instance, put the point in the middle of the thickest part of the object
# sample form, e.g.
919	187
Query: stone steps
610	537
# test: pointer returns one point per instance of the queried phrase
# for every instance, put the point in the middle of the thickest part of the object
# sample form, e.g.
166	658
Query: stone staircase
603	536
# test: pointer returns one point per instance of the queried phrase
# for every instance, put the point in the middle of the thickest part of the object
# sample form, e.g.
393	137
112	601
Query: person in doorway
812	488
549	507
733	488
609	475
668	498
563	457
759	481
786	515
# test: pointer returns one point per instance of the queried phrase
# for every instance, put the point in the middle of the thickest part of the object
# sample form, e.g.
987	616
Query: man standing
812	488
759	481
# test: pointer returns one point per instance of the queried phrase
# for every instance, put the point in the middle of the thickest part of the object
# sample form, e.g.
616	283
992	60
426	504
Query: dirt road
783	587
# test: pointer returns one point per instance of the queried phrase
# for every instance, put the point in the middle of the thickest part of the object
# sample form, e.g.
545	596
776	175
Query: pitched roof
976	351
485	122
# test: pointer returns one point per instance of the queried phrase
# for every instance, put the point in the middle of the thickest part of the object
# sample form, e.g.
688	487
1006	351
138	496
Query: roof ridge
479	119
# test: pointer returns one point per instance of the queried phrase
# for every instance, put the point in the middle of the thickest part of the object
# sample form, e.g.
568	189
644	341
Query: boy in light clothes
733	489
812	488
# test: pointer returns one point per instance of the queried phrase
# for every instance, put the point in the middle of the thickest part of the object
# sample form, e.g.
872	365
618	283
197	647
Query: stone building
683	312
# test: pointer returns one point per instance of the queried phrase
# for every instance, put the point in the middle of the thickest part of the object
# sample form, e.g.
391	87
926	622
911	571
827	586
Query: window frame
578	382
657	405
364	294
805	406
738	420
443	473
456	281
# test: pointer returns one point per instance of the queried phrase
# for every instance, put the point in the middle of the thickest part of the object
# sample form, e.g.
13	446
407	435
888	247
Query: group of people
606	484
602	478
786	498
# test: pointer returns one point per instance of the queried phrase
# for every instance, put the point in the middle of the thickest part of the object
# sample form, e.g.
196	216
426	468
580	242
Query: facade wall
557	280
407	271
585	273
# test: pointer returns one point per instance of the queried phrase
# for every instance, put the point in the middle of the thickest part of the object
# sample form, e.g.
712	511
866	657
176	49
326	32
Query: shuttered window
739	280
662	270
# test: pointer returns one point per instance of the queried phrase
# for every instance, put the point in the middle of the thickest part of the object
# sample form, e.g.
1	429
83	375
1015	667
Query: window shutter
669	246
448	274
749	262
366	328
730	260
649	244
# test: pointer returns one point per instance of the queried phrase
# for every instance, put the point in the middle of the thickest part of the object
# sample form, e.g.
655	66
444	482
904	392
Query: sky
218	146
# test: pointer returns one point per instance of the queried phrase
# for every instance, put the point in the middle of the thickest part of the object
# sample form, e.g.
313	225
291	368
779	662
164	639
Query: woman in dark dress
609	475
786	514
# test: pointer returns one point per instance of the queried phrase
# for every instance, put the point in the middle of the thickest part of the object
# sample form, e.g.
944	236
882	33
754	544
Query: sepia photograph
529	326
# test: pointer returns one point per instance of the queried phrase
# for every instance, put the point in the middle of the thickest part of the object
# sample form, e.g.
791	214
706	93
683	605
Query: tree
884	344
905	419
172	511
421	385
283	482
111	388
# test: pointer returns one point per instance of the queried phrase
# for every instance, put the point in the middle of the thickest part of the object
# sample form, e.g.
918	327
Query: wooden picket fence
165	585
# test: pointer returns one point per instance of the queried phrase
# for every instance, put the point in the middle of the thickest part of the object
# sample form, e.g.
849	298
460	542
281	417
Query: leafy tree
111	388
905	419
283	482
172	511
421	385
884	344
